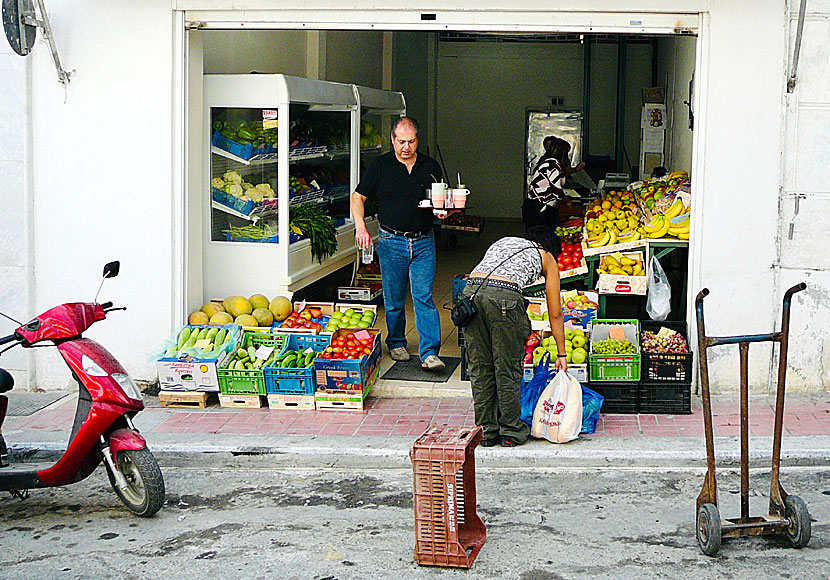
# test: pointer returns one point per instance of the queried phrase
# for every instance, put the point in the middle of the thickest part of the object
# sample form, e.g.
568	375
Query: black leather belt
405	234
496	283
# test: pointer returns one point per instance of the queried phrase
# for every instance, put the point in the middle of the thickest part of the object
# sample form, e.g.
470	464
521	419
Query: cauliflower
255	194
246	186
232	176
233	189
217	182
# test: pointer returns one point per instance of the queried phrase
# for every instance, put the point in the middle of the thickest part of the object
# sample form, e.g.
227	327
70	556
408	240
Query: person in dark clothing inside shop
545	193
496	336
406	247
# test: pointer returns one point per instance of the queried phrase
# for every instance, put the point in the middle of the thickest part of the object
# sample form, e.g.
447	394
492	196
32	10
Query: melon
258	301
280	307
246	320
212	308
237	305
198	317
221	318
263	316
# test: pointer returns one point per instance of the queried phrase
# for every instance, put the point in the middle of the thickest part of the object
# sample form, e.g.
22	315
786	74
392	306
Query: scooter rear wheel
144	495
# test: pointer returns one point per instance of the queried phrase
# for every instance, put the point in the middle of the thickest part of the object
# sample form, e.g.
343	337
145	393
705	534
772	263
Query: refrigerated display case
378	110
277	142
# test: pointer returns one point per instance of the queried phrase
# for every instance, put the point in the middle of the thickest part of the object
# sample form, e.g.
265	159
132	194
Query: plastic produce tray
621	397
249	381
667	367
614	367
448	531
295	381
669	398
232	202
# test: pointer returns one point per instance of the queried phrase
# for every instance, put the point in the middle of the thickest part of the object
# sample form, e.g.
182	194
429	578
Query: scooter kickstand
21	494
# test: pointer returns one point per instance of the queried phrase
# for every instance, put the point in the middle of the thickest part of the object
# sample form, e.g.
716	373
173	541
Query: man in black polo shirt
406	249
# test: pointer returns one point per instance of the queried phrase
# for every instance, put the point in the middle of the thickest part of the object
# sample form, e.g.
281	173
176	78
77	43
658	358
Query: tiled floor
805	414
466	253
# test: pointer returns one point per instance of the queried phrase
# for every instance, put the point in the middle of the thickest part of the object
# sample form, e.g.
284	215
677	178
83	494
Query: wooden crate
291	402
241	401
184	399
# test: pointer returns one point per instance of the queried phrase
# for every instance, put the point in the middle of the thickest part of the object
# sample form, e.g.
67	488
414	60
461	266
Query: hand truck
787	513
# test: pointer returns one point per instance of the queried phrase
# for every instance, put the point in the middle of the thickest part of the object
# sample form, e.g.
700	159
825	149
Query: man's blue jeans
403	262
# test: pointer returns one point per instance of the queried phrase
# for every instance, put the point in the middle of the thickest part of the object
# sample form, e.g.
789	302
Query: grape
613	346
674	343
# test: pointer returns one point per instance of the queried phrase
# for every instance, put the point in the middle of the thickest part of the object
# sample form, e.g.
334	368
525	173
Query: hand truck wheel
708	529
798	521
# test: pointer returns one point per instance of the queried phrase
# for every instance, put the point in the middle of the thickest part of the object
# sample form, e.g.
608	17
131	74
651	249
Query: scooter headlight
92	368
130	388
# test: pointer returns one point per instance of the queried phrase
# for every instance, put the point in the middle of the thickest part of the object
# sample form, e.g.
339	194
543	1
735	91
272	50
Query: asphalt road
342	525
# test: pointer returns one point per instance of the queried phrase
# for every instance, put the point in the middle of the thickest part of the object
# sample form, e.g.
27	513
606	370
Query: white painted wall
14	211
102	170
806	173
102	173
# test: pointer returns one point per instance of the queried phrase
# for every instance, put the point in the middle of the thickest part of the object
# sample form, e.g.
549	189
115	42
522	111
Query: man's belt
416	234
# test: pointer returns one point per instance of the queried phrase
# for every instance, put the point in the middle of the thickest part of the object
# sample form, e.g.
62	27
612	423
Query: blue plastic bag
591	406
532	390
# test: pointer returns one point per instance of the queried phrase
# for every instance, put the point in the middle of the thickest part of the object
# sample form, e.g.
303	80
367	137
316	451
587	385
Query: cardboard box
188	373
348	376
291	402
358	293
341	401
618	284
538	306
579	316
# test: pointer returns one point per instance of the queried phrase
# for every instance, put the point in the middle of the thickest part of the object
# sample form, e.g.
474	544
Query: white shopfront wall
107	169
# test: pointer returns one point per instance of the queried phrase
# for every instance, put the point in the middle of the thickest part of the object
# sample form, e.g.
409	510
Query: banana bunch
675	209
188	337
621	265
681	230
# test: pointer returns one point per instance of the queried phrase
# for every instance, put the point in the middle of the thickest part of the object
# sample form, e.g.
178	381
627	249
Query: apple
579	355
315	312
578	341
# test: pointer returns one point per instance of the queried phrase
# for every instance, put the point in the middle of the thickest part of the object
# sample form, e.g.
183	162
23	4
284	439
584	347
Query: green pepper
245	134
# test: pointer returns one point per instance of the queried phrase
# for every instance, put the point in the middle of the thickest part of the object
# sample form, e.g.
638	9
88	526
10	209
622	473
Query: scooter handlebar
10	338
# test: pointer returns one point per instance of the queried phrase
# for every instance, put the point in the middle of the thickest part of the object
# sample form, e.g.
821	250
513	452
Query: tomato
351	343
337	350
561	266
365	342
350	336
367	350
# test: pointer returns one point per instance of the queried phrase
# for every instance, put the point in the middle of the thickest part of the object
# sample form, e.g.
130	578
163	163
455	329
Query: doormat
411	371
25	403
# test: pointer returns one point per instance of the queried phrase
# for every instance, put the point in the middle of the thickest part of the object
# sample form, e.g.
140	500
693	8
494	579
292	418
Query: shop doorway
466	84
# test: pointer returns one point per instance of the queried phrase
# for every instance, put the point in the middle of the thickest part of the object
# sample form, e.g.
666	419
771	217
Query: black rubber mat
411	371
25	403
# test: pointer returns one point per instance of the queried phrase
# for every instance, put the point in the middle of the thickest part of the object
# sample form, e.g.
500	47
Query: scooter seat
6	381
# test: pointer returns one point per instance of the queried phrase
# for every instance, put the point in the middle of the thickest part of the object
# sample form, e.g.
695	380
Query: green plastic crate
250	381
614	367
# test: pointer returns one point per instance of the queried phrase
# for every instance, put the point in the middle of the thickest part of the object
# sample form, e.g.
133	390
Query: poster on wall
653	122
539	124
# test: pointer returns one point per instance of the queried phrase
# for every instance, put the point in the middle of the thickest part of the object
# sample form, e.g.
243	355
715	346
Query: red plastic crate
448	531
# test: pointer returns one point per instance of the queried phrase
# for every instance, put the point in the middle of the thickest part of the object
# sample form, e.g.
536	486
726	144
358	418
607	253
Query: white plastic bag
558	414
658	305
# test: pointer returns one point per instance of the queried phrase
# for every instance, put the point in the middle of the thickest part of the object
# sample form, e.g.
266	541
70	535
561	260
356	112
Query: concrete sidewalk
381	435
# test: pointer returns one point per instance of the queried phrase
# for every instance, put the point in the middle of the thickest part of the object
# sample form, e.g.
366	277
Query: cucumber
220	336
184	336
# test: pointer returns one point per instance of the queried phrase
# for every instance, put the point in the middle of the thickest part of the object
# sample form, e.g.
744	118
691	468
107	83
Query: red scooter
107	400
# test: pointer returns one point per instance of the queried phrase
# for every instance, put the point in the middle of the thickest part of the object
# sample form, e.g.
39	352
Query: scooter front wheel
144	495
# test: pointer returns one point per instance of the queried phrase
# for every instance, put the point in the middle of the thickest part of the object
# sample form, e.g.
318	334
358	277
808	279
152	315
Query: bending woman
497	334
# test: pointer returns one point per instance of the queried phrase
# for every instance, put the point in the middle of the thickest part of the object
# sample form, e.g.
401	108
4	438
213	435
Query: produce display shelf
269	158
249	381
622	397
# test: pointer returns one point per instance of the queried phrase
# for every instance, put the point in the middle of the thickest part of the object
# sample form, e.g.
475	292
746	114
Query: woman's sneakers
510	442
491	441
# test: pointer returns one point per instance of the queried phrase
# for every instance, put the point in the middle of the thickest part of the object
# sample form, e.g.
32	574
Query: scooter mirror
111	269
